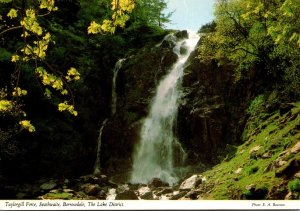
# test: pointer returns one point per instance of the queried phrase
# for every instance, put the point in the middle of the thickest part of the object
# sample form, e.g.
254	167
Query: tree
151	13
23	20
121	14
256	32
23	17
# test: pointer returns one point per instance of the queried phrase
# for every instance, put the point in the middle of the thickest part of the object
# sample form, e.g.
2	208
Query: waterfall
118	66
154	155
97	162
113	90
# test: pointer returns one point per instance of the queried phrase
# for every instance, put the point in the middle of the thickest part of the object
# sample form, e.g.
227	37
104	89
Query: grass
272	136
62	195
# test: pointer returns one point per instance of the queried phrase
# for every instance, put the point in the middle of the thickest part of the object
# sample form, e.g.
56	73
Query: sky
190	14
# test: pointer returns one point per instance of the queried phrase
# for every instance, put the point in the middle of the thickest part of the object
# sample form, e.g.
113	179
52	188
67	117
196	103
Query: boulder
254	150
143	190
255	193
147	196
101	195
156	182
95	179
190	183
182	34
296	148
297	175
48	185
123	188
165	191
289	169
193	195
127	195
91	189
238	171
178	196
285	107
111	195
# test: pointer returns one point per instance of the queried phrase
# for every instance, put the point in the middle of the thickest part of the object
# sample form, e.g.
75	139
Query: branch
245	50
10	29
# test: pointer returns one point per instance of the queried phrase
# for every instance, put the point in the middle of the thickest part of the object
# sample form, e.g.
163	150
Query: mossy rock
62	195
48	185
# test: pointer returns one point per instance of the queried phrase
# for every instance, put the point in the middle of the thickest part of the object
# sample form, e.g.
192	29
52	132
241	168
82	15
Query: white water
153	157
114	95
97	162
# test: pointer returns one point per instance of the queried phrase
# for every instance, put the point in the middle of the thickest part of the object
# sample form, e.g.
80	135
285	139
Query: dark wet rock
164	191
156	182
212	112
169	42
289	169
112	184
21	195
102	195
91	189
136	84
147	196
136	186
48	185
178	196
193	195
285	107
182	34
95	179
254	193
127	195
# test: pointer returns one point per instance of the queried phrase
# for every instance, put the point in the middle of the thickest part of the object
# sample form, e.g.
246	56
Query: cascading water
113	111
97	162
114	93
153	157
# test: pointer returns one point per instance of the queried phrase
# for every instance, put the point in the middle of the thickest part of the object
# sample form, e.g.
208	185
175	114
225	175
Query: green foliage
294	185
257	106
257	34
121	11
62	195
5	55
251	170
208	28
31	48
150	12
275	135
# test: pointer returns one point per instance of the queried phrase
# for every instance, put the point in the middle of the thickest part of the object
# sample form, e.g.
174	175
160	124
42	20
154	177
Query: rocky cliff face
211	116
212	113
136	84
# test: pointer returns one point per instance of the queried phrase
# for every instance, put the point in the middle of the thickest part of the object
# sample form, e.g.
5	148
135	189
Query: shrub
257	106
294	185
251	170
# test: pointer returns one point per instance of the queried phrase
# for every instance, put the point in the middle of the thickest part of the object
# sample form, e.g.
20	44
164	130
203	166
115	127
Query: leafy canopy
25	19
257	32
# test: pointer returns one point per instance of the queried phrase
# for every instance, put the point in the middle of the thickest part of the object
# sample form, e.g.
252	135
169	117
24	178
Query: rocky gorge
229	153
